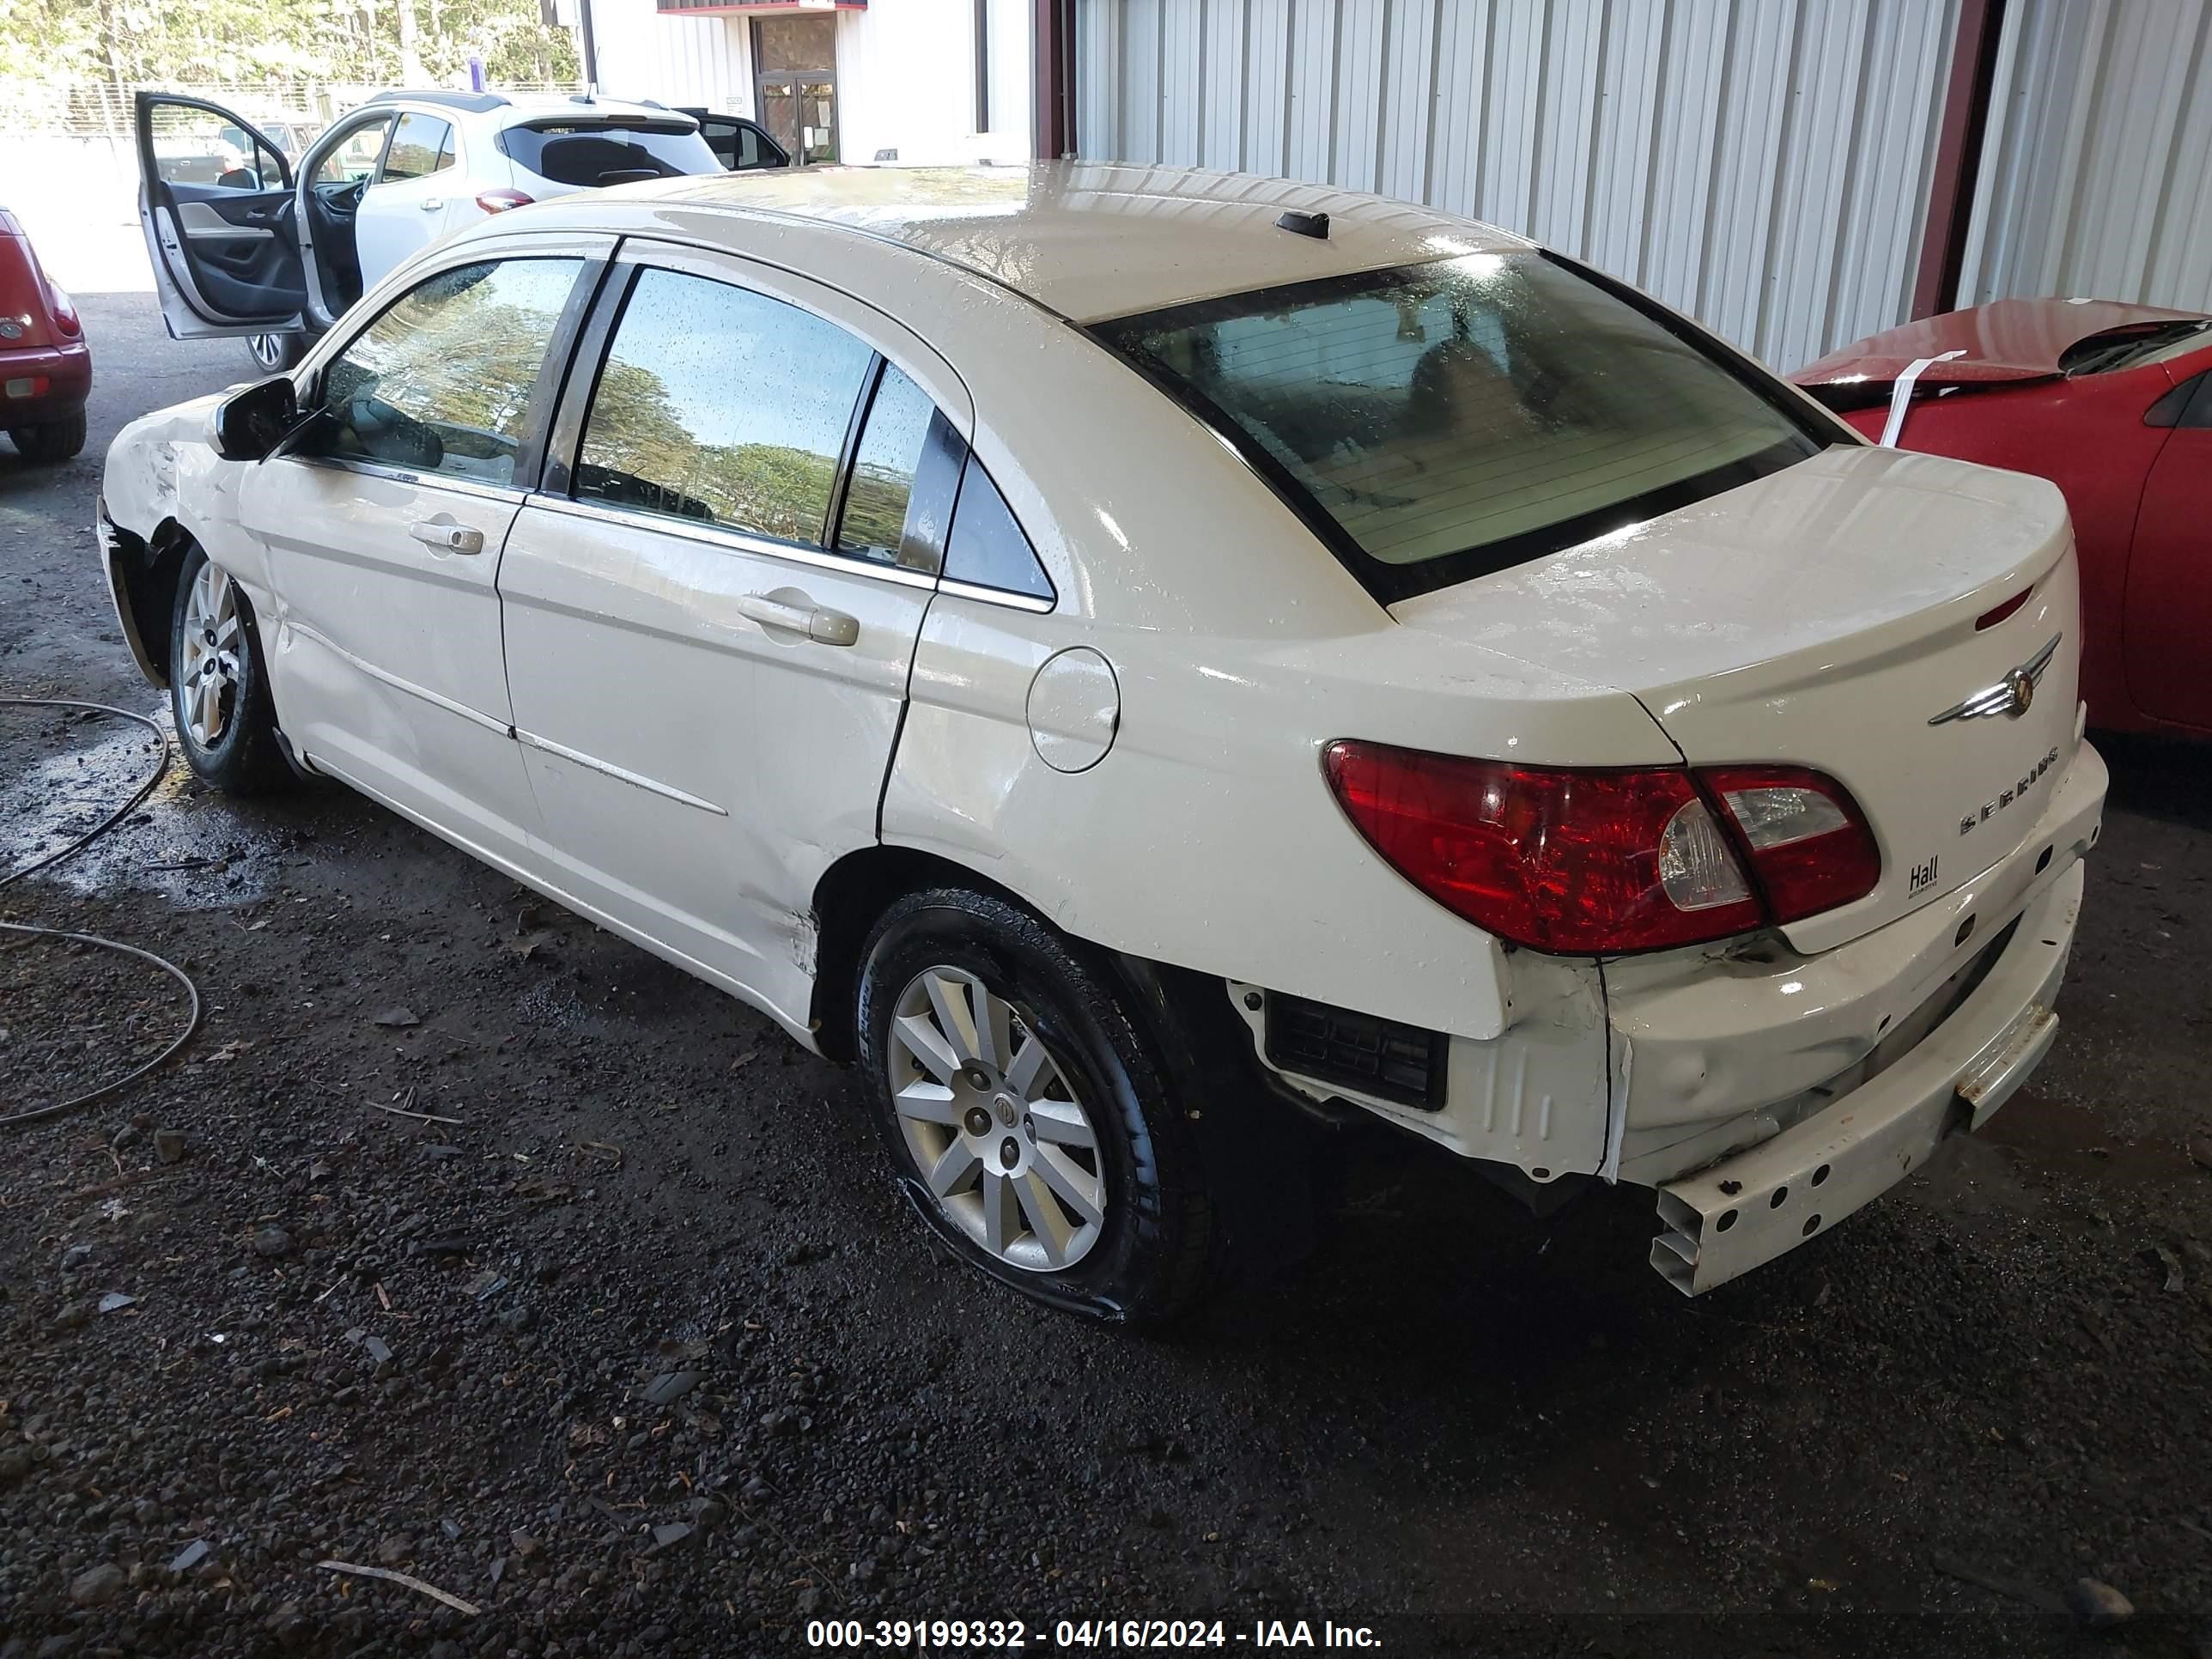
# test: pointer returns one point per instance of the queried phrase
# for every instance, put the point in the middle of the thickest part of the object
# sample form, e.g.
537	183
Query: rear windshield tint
1439	421
589	153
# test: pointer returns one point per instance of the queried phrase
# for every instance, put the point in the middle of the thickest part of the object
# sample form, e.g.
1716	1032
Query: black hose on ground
42	1113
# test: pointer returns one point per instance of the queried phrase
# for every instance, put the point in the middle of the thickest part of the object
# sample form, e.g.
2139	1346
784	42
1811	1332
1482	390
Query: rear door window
442	381
988	547
421	145
885	464
587	153
1437	421
722	406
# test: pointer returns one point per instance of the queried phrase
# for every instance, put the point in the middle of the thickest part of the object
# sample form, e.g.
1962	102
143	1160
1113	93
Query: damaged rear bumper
1747	1210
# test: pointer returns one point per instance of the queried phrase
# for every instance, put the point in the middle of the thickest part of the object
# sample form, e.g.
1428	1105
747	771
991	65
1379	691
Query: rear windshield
588	153
1439	421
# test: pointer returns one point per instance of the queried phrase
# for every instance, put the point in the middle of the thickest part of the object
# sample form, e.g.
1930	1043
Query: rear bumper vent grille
1376	1057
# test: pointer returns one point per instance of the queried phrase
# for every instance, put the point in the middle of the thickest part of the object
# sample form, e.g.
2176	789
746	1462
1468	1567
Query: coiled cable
42	1113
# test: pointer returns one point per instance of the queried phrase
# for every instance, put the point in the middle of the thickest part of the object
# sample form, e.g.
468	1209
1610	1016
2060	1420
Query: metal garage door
1761	164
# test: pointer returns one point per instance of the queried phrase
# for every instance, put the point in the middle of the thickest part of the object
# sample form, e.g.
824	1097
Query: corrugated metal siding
2097	170
1761	164
644	53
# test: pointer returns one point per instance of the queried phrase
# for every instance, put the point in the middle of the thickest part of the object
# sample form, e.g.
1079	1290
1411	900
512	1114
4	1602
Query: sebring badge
2011	696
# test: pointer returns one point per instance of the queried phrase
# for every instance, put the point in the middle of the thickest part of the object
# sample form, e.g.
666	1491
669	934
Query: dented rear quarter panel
1207	837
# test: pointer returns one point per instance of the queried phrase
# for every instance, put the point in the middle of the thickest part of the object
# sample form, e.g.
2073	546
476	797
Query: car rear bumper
1748	1209
49	383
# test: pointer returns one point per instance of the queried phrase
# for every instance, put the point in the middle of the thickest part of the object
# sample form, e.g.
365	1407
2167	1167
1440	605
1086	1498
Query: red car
46	367
2113	404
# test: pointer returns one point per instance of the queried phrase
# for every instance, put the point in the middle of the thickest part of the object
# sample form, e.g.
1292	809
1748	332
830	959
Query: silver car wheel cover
207	675
1004	1149
268	349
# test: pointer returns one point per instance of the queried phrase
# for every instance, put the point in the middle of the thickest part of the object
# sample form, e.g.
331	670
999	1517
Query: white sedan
1128	655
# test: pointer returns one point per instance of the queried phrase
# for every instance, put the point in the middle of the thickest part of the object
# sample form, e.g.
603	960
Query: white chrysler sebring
1119	653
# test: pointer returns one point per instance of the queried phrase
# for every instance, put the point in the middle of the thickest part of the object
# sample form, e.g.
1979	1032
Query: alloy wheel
269	351
1005	1149
207	682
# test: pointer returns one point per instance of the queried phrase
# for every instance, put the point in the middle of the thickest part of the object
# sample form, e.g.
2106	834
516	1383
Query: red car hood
2008	340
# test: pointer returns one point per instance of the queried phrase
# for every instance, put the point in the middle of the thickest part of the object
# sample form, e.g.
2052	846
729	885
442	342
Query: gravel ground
470	1244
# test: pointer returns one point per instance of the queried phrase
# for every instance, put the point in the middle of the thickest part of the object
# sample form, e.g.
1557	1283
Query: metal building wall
2096	176
1761	164
645	53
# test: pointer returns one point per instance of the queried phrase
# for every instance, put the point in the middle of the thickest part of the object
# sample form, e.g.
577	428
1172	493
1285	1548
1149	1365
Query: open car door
739	145
216	200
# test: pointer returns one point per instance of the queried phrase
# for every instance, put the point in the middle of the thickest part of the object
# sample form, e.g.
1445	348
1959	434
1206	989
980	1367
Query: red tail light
1575	861
1810	846
1601	862
499	201
66	322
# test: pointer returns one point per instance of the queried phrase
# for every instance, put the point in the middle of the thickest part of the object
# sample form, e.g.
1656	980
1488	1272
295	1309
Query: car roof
1087	240
511	108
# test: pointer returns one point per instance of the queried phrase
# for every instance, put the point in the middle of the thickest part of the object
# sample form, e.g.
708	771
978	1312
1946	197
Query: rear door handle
821	626
448	537
431	203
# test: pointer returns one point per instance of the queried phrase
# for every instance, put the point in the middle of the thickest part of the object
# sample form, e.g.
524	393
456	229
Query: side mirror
248	424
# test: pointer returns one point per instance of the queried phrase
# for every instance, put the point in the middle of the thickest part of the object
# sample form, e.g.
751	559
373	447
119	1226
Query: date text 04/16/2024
1083	1635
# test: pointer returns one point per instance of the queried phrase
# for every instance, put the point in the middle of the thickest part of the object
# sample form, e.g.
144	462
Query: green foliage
638	450
61	43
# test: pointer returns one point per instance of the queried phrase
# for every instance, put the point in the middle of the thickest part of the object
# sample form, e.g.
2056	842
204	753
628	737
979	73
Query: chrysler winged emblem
2011	696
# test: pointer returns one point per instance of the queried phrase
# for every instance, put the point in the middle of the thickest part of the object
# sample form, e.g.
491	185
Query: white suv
248	241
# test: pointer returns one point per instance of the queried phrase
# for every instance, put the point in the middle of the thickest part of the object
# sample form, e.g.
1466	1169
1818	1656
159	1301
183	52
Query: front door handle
431	203
821	626
448	537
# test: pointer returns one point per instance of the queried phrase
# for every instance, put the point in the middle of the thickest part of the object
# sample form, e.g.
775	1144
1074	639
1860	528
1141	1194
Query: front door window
795	77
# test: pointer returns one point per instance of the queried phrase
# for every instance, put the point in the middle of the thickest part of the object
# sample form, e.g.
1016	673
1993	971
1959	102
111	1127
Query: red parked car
2113	404
46	367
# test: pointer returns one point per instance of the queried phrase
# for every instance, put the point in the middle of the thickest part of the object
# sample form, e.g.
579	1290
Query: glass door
795	80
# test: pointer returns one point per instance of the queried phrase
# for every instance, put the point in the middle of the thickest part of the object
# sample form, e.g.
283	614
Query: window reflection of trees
875	508
640	452
459	354
789	376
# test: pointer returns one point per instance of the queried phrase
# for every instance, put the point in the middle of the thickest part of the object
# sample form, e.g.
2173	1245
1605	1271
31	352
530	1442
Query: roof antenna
1300	223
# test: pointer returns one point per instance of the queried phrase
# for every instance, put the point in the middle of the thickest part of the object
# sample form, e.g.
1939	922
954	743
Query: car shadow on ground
2161	777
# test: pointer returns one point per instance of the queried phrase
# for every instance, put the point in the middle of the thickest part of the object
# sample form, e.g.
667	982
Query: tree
48	46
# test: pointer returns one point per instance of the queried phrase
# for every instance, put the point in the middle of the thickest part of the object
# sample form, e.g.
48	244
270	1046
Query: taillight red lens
1811	847
1584	862
63	313
499	201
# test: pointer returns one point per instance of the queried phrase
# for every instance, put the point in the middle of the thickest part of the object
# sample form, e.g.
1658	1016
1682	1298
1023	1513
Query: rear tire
1078	1143
218	686
51	440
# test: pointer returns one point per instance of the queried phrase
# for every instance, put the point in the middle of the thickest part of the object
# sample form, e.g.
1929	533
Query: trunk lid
1826	616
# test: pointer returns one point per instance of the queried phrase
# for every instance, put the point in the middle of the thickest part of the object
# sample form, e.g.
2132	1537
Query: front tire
274	354
218	686
51	440
1023	1113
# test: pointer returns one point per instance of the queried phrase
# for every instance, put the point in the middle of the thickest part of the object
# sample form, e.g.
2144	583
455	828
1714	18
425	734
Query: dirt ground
625	1339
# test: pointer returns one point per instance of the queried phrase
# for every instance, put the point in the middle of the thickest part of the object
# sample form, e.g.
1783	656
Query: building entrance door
795	81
